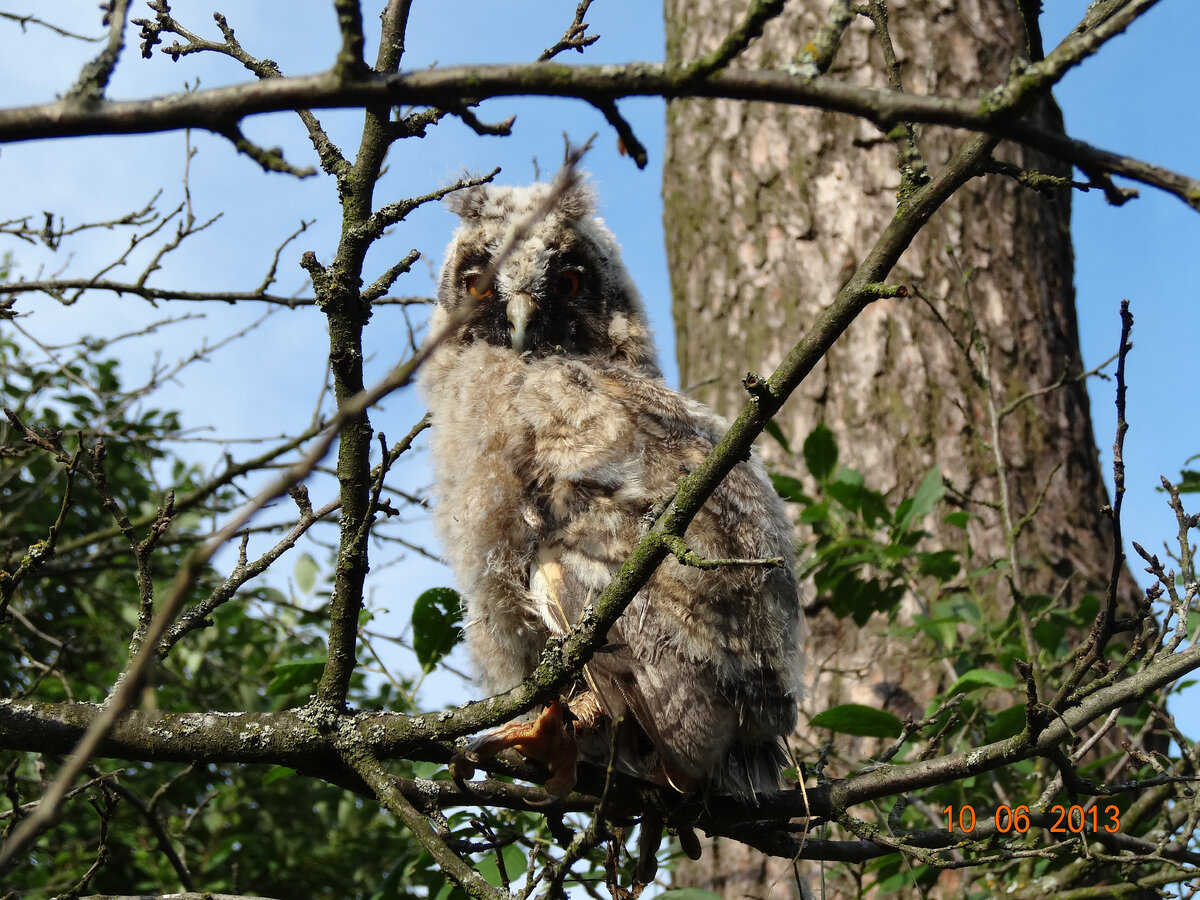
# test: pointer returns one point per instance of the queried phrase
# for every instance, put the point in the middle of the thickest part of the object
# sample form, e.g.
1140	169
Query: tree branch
453	87
298	739
93	79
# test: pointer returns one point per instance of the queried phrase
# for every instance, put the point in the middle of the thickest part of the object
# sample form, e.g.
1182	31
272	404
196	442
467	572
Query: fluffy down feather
548	455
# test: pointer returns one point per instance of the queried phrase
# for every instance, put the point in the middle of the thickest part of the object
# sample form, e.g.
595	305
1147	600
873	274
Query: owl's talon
549	739
461	768
549	803
649	839
688	842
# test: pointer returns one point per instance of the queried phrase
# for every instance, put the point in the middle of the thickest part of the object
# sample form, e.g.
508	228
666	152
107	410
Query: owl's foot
650	838
549	739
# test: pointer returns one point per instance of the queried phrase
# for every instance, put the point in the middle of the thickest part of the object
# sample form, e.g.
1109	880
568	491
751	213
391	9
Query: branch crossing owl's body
554	438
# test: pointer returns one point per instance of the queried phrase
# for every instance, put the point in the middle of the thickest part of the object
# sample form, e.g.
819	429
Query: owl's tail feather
749	770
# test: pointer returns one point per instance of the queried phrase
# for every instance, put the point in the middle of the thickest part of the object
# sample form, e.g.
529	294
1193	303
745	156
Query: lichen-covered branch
89	88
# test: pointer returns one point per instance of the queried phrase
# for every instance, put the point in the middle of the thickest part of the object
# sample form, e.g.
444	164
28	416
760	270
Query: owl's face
561	290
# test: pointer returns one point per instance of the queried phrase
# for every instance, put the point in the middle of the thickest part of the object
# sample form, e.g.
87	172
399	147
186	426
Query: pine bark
768	210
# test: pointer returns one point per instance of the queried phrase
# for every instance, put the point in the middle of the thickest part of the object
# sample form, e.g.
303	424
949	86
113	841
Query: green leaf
272	595
821	452
1049	634
960	607
425	769
976	678
847	475
854	718
815	512
1006	723
905	876
772	428
1088	609
958	519
1189	482
928	495
874	508
435	620
295	674
942	564
689	894
789	488
514	865
941	629
277	772
847	494
305	572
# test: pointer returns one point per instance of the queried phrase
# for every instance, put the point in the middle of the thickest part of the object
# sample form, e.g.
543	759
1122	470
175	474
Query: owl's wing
702	661
651	711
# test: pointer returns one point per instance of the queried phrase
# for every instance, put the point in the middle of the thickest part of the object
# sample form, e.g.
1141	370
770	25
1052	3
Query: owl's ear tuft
577	201
469	202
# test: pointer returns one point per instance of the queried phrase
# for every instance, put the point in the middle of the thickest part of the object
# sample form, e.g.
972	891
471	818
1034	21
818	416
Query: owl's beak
519	310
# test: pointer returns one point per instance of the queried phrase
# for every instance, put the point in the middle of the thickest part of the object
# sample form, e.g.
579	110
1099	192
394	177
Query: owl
554	439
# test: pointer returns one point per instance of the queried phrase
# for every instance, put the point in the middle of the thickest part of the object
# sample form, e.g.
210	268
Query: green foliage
821	453
864	556
854	718
436	622
277	832
232	829
1189	479
689	894
82	598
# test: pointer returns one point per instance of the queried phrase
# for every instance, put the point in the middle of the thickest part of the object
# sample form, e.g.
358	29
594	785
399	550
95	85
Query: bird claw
549	739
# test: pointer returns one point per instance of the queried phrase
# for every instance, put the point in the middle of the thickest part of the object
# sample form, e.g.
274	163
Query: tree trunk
769	209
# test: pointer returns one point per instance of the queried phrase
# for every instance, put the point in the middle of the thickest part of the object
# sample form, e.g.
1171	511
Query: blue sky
1135	97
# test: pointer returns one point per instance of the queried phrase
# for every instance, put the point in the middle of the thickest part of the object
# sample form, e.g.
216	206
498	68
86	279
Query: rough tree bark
768	209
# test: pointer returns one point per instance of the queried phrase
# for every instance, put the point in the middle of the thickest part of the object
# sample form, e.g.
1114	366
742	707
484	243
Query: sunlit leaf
921	504
974	679
435	621
1189	482
854	718
277	772
305	572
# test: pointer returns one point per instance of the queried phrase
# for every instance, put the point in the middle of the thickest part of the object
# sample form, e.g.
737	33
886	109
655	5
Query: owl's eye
568	283
470	281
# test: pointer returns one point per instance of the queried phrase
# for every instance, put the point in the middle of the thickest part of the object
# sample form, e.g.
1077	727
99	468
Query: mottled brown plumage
554	437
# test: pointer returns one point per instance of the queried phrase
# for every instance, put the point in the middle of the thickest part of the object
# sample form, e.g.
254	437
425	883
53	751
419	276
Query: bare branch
574	38
23	21
629	142
392	213
288	738
459	86
59	288
1104	628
